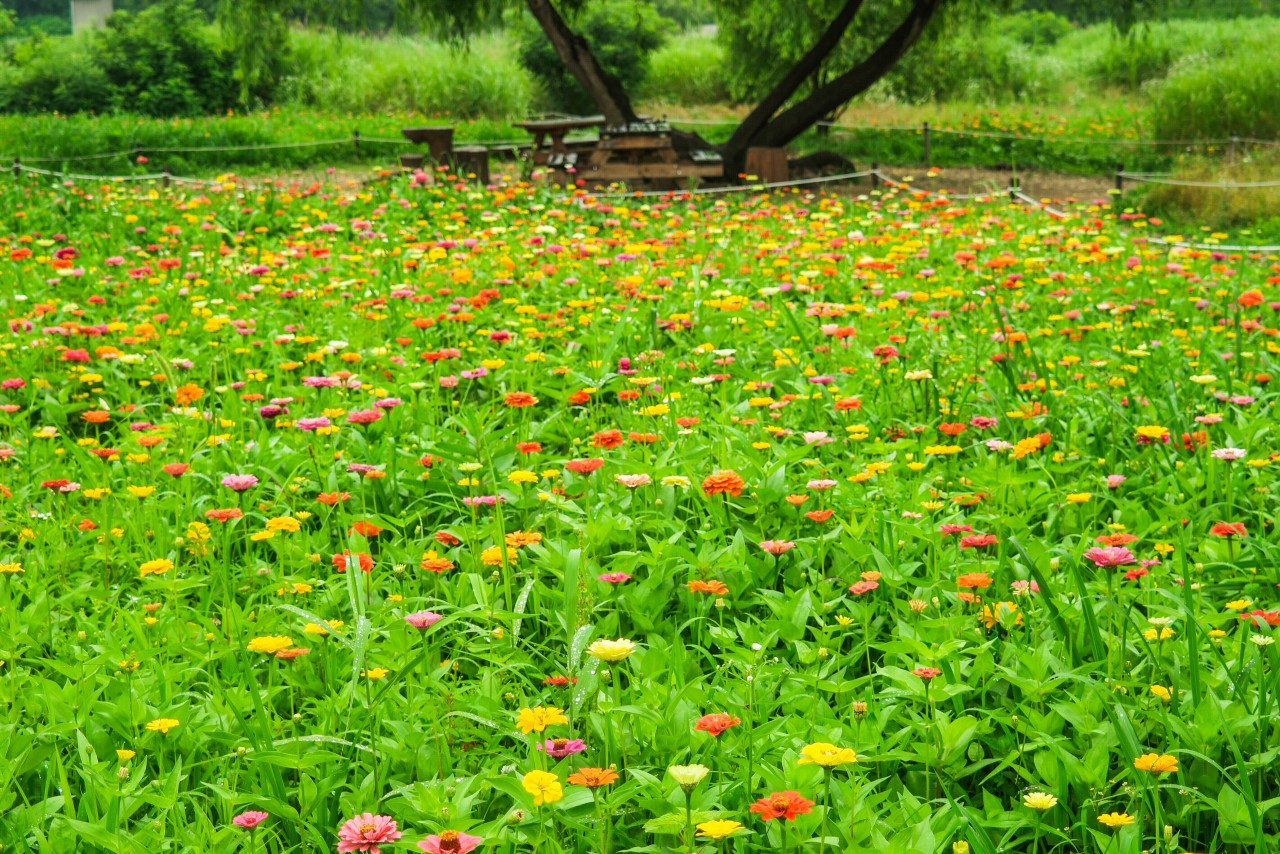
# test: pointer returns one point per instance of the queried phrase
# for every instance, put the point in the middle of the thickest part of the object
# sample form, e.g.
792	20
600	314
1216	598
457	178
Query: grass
761	484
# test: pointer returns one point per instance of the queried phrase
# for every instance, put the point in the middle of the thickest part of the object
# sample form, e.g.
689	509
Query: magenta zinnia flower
249	819
365	832
449	842
239	482
559	748
1109	556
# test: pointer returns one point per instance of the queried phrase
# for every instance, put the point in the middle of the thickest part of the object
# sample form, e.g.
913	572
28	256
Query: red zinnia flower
783	805
584	467
347	558
716	723
1229	529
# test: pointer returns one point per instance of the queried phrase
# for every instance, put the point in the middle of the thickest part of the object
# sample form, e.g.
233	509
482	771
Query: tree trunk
604	88
734	150
799	118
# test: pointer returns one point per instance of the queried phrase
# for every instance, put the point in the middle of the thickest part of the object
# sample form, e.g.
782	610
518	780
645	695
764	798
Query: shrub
689	70
399	73
1034	29
1215	99
622	36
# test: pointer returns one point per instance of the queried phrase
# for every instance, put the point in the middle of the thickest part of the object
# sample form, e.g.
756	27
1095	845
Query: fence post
928	154
164	177
1232	151
1119	177
875	167
355	140
1013	188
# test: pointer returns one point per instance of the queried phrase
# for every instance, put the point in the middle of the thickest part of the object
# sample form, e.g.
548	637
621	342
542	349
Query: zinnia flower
544	787
1116	819
827	755
718	828
1040	801
729	482
423	619
688	776
449	842
539	718
716	723
776	547
593	778
782	805
559	748
1110	556
249	819
366	832
1156	763
611	650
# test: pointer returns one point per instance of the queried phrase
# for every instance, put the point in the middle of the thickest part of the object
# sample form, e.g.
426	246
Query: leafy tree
622	35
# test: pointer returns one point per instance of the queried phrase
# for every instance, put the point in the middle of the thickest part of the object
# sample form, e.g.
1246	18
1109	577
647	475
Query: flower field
423	516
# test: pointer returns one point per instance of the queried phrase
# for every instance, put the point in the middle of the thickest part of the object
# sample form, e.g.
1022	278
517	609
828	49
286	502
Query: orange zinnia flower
188	394
518	399
724	481
975	580
332	498
593	778
607	439
366	529
224	515
783	805
1229	529
716	587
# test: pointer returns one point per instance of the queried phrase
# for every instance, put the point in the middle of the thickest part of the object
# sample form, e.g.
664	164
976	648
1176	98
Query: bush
622	36
688	70
1033	29
398	73
1215	99
157	63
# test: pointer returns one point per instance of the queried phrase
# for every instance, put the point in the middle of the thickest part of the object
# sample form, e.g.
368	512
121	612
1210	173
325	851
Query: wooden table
642	152
549	134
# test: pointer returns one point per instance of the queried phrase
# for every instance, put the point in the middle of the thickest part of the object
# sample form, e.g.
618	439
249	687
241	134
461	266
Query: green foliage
622	35
689	70
256	35
156	62
335	72
1033	29
1220	98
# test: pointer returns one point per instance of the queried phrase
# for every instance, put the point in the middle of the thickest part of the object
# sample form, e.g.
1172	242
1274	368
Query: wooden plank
635	171
562	124
634	143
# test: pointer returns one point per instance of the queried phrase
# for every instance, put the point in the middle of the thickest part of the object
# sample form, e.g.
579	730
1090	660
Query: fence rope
903	185
1221	247
736	188
1149	178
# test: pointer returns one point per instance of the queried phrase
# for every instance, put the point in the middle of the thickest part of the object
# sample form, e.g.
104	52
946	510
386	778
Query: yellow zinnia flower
719	828
270	644
1156	763
1116	819
539	718
544	787
826	755
1040	801
162	725
611	650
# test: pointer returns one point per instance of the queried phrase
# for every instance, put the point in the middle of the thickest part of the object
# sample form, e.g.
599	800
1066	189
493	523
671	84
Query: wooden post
1013	188
164	178
768	164
472	159
928	154
871	179
1119	177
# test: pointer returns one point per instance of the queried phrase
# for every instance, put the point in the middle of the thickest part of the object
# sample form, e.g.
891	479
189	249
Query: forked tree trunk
604	88
806	113
735	149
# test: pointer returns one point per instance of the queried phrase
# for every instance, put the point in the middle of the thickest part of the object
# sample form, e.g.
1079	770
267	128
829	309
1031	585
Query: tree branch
604	88
802	116
805	67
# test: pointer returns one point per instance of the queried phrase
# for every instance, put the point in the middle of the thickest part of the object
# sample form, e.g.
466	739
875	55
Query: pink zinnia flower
559	748
364	416
239	482
631	481
365	832
776	547
423	619
1023	587
1114	480
1228	454
613	577
951	528
249	819
926	673
1108	556
820	484
450	842
860	587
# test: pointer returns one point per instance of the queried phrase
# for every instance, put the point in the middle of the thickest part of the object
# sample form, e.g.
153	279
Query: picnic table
640	152
549	136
